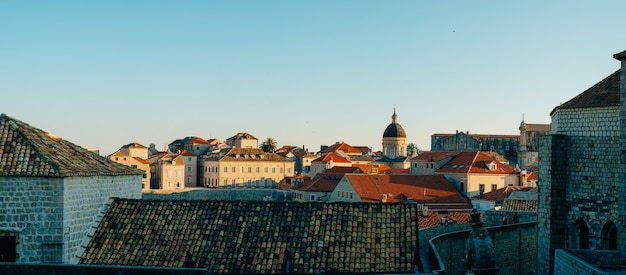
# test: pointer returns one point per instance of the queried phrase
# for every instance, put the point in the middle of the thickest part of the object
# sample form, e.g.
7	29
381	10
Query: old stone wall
86	197
515	249
32	210
599	122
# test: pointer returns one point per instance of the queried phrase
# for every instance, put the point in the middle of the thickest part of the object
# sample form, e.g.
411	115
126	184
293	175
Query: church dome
394	130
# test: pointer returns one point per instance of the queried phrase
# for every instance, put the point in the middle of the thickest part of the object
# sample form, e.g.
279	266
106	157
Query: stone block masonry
57	211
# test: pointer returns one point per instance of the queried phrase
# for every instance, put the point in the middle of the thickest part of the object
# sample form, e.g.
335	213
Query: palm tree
411	147
269	145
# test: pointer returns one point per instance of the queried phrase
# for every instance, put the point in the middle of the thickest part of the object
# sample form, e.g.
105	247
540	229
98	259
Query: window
494	187
133	166
8	242
225	181
273	169
350	194
265	169
288	170
189	158
234	169
178	185
481	188
312	197
145	176
143	185
249	169
234	182
188	168
281	170
188	179
258	169
225	169
52	253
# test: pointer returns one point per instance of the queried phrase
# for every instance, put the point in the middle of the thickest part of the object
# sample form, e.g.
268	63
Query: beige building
246	167
178	170
134	155
243	140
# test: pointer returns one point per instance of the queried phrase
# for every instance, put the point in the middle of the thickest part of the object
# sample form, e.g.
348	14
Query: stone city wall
515	249
577	262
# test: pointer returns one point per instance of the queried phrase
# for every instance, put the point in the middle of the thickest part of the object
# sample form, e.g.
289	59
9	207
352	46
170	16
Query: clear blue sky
103	74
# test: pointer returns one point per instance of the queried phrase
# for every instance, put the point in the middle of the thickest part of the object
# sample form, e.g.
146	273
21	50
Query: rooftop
29	151
251	237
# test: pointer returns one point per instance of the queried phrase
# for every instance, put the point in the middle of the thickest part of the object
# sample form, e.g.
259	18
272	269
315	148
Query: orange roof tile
434	156
475	162
197	140
434	218
344	147
332	156
429	189
323	182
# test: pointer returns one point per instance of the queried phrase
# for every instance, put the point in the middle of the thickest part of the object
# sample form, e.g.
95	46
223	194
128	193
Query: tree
411	147
269	145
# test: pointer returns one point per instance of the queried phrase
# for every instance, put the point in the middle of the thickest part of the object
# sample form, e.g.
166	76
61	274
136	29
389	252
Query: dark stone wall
515	249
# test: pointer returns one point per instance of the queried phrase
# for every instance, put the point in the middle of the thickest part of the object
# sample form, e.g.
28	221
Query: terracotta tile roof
373	168
519	205
323	182
247	154
500	194
28	151
475	163
434	218
397	171
344	147
332	156
603	94
140	160
196	140
434	156
250	237
430	189
532	176
186	153
119	153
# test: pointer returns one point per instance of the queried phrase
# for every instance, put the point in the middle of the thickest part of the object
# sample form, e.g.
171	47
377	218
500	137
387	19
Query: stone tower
582	181
394	139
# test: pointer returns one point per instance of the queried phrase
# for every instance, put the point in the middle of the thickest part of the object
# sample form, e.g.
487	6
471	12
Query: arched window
579	238
609	236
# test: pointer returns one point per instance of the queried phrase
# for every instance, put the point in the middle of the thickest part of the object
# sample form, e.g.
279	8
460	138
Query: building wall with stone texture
32	210
57	212
515	248
578	179
86	197
599	122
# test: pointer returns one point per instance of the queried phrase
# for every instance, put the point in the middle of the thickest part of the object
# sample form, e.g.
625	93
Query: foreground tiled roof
431	190
250	237
344	147
603	94
28	151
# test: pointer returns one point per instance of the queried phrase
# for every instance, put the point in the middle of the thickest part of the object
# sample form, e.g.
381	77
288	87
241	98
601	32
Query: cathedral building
394	145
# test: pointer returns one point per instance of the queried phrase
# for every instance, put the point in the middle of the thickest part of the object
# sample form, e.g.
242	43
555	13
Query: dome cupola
394	129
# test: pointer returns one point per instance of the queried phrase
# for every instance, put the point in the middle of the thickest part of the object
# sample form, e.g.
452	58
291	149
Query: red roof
499	195
369	168
434	156
475	163
430	189
331	156
343	170
434	218
186	153
323	182
532	176
344	147
141	160
197	140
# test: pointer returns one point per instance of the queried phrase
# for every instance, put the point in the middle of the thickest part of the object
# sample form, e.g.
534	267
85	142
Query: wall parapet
515	246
